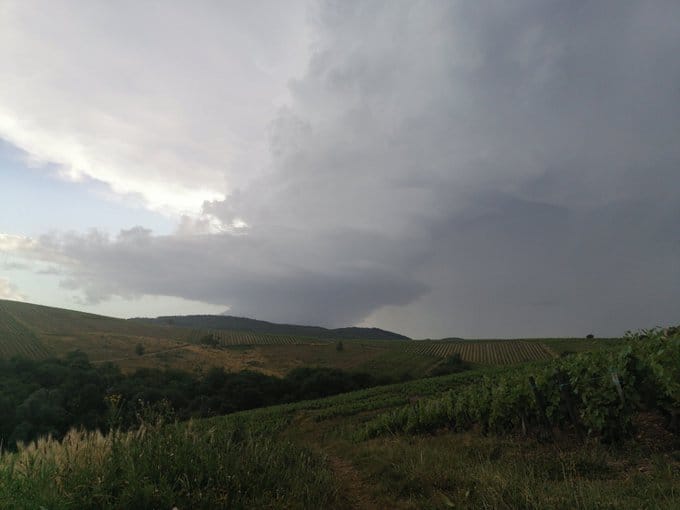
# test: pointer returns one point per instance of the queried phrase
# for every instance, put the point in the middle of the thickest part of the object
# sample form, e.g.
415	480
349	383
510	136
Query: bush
210	340
598	392
451	365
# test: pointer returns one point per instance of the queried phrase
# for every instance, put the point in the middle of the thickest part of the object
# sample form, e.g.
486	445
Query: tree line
49	397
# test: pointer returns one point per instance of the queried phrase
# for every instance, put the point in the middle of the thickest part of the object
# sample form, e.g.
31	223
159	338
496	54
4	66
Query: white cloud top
169	101
442	168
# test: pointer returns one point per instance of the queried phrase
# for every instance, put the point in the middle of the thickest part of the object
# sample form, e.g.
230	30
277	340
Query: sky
438	168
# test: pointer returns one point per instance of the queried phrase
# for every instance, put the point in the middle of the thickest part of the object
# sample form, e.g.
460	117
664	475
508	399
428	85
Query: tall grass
469	471
180	465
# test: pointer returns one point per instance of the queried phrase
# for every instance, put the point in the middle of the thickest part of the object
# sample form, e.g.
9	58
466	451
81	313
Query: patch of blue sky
34	200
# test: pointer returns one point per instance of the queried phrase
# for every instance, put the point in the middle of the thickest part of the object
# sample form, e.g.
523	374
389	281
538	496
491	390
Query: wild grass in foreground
469	471
181	465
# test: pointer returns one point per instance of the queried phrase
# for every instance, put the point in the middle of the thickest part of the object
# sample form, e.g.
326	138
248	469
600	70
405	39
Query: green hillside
47	320
227	322
38	331
16	339
593	430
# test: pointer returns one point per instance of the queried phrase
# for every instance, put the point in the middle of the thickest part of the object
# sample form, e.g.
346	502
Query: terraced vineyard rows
225	338
56	321
17	340
495	353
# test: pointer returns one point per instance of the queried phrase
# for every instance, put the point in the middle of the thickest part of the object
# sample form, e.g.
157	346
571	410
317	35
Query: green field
226	338
39	331
474	439
499	352
16	339
477	439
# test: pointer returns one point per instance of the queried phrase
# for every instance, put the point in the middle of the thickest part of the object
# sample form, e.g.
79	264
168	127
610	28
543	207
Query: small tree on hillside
339	347
139	349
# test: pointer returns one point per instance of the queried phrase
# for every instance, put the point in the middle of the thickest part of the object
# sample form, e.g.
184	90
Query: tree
339	347
139	349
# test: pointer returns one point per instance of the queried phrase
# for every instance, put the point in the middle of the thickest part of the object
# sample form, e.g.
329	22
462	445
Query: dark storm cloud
471	168
334	280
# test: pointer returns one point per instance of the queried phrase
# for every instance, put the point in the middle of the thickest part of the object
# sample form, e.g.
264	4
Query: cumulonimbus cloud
166	102
442	168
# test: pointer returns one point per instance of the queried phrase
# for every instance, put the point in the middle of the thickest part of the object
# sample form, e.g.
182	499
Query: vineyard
502	352
225	338
17	340
46	320
595	393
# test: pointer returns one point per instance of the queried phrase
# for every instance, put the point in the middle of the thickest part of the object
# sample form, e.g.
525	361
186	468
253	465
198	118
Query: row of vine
594	393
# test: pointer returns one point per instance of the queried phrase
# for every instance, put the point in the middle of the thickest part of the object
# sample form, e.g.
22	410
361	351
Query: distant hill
227	322
37	331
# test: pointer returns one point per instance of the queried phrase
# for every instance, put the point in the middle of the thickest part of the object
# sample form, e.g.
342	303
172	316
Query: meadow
38	332
530	423
597	429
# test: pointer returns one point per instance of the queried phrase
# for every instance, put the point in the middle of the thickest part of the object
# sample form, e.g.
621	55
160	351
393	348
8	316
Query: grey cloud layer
472	168
278	275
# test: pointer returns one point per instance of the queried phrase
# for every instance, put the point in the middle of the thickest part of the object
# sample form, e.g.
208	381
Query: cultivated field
599	436
225	338
501	352
18	340
40	331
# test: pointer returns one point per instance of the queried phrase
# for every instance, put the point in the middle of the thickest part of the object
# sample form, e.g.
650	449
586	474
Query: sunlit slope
18	340
499	352
39	331
258	327
58	321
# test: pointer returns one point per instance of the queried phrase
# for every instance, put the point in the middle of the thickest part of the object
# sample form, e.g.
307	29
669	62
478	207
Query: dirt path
355	490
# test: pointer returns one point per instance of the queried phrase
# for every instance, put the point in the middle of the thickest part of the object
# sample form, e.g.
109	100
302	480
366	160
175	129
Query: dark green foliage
139	349
590	336
51	396
451	365
40	398
209	340
339	347
596	393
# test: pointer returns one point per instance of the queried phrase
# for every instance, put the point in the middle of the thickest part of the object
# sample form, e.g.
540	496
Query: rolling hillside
36	332
478	439
230	323
18	340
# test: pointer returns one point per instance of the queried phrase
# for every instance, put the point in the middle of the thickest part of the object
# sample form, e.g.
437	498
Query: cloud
269	274
169	102
10	291
477	169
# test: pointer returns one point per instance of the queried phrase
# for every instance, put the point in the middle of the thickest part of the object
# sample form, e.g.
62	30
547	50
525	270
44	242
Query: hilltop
231	323
199	342
501	437
39	332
